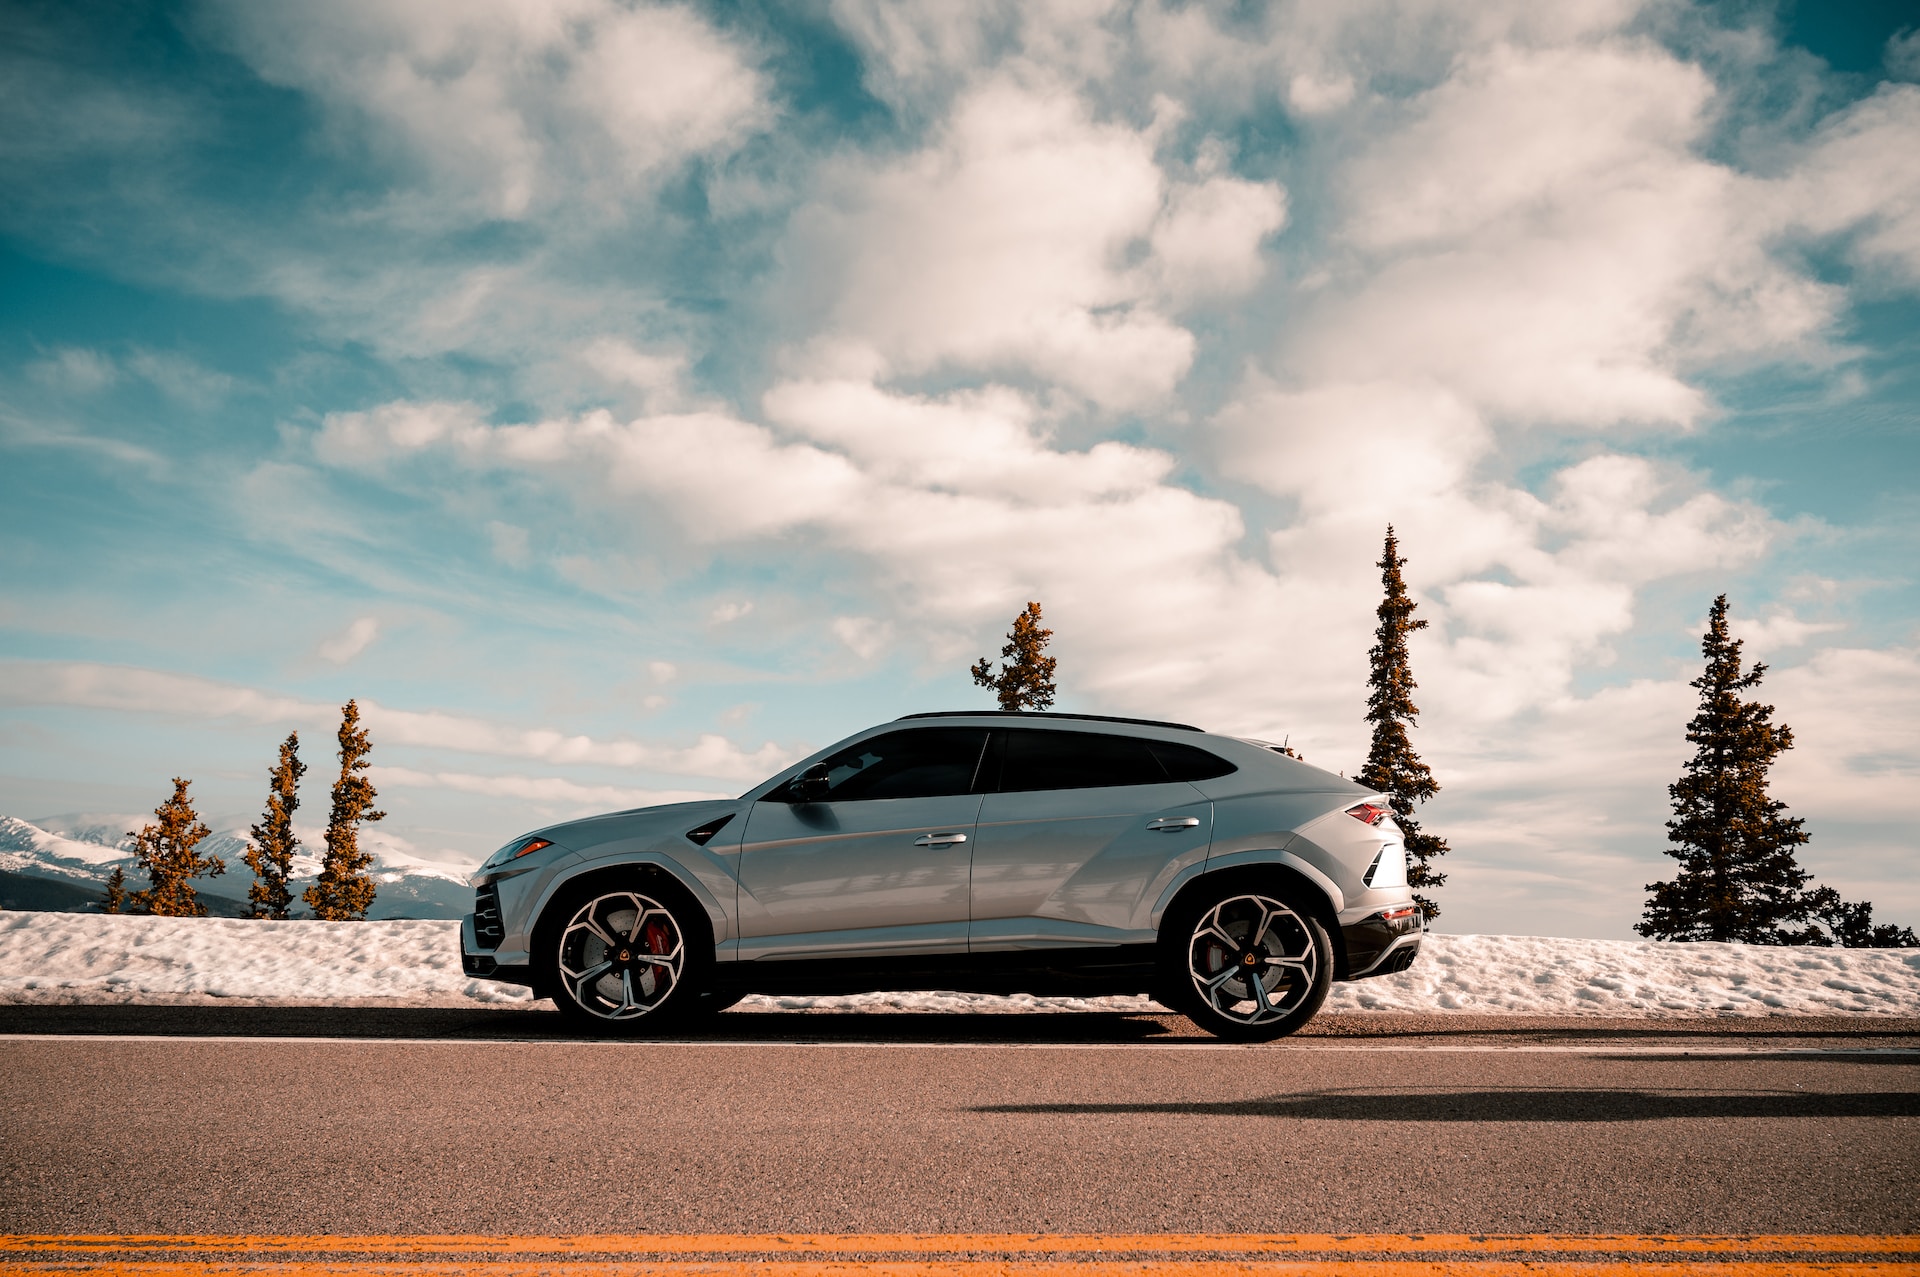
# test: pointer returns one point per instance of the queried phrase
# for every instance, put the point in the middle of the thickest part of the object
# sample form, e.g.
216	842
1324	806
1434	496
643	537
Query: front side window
926	762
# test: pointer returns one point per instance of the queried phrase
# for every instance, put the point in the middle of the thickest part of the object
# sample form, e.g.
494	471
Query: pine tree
344	890
270	854
1392	766
166	852
1025	680
116	898
1850	924
1738	877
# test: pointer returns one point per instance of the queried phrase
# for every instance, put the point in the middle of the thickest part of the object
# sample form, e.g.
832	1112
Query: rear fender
1318	891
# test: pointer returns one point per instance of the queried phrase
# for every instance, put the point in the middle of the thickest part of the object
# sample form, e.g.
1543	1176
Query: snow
26	848
55	957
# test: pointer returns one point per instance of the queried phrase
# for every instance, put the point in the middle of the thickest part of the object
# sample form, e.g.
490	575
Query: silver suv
991	852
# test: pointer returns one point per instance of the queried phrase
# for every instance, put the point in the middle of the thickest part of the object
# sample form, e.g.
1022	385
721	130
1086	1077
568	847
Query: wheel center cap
626	956
1251	960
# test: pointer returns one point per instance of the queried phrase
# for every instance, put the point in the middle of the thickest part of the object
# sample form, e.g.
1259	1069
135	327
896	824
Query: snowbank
53	957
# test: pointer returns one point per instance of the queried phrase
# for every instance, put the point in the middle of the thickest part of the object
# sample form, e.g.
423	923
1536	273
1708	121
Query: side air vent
487	928
702	836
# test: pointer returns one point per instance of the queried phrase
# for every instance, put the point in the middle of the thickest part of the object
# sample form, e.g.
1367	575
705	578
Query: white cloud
729	612
511	543
351	641
1861	176
1778	629
556	790
1542	237
39	432
1001	246
1207	243
662	671
866	636
1903	54
181	378
512	109
75	370
654	374
129	689
1314	95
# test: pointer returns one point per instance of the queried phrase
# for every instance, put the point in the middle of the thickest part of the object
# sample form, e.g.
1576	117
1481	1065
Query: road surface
289	1121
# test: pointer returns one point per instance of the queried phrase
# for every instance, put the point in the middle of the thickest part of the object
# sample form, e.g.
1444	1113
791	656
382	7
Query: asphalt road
255	1120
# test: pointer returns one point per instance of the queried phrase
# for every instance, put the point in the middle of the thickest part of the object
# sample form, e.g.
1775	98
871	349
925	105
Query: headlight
514	850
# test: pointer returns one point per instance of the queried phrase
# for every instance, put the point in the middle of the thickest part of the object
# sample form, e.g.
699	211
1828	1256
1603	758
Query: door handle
1173	824
939	840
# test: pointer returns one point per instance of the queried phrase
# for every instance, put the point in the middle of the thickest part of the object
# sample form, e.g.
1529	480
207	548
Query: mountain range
62	863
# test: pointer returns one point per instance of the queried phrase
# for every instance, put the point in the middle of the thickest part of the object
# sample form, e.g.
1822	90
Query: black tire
624	956
1246	960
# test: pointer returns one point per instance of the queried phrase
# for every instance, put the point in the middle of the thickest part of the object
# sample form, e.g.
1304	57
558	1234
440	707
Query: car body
1000	852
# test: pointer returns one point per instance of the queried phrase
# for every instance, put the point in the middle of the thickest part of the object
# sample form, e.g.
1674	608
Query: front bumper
482	965
1376	946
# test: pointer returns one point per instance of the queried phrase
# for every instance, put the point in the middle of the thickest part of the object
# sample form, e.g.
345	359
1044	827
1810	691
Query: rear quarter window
1189	762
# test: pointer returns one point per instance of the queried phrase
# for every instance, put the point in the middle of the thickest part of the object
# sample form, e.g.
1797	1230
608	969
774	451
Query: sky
622	400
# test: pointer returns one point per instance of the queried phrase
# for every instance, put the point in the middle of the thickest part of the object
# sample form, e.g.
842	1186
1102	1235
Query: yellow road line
978	1268
1383	1245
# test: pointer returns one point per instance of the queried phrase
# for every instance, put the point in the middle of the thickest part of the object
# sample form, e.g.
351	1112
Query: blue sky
623	399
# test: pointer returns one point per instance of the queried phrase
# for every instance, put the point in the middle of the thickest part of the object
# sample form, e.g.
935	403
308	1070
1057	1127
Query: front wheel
1247	965
625	958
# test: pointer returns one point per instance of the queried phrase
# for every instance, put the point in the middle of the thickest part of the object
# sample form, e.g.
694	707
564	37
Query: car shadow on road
541	1023
486	1024
1551	1105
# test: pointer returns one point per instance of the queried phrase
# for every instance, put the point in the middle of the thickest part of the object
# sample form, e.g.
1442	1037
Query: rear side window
1185	762
1076	760
927	762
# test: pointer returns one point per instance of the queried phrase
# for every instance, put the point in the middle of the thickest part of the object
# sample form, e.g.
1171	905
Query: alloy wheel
622	956
1252	960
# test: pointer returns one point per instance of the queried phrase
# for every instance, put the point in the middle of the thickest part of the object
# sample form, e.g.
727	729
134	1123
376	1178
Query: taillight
1398	912
1368	813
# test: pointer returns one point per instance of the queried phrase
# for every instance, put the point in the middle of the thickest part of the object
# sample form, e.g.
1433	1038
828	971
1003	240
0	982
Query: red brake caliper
657	940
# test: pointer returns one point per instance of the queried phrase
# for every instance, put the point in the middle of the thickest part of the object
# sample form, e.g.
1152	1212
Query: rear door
880	865
1081	828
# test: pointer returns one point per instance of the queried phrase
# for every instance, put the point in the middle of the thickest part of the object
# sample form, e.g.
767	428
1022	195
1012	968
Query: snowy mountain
83	850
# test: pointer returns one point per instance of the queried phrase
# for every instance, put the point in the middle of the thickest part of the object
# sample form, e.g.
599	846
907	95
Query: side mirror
810	786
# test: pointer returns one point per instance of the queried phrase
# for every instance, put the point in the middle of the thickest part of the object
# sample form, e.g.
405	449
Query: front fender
705	882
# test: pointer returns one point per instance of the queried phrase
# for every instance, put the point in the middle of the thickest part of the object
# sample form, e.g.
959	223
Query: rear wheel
626	958
1246	963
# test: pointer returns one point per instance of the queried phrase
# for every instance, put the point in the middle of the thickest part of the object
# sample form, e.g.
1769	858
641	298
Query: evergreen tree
270	854
116	897
1393	767
166	851
1025	680
1738	877
1850	924
344	890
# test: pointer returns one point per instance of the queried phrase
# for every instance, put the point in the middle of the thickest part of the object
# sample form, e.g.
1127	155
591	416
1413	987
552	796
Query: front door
1084	832
877	865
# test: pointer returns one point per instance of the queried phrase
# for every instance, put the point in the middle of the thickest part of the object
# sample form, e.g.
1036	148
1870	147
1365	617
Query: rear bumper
1378	947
